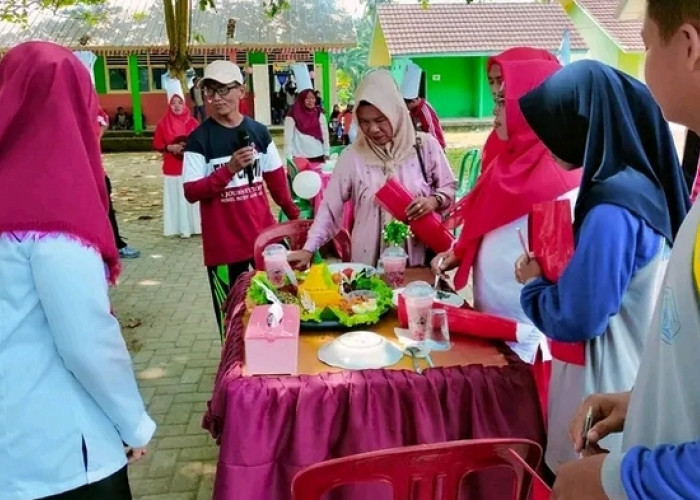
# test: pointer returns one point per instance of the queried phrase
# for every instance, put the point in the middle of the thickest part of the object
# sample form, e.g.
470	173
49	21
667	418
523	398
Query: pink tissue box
272	351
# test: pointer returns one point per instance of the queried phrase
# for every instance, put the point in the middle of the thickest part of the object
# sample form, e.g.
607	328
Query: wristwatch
439	199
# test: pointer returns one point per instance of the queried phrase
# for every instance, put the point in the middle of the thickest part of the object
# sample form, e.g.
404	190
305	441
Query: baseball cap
223	72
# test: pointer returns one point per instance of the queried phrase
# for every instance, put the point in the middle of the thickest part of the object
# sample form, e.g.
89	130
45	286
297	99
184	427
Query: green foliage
16	11
396	233
274	7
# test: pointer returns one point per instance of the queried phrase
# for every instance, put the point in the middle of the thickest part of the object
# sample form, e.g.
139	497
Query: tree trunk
177	23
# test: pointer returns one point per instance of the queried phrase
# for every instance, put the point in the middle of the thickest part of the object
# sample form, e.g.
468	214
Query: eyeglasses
222	91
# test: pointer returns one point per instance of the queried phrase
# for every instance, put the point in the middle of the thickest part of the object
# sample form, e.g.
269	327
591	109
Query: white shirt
65	373
301	145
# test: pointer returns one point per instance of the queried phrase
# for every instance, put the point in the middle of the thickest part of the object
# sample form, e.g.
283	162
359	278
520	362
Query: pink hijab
306	120
52	182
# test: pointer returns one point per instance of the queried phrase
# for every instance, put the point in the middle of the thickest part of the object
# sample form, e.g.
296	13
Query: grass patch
454	156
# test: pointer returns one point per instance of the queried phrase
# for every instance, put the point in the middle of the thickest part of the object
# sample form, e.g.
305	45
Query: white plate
450	299
360	351
355	266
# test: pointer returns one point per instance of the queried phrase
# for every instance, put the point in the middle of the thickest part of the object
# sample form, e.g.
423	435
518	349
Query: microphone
244	139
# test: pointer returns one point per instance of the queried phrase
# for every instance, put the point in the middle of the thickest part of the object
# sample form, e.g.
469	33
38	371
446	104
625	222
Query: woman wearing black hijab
631	203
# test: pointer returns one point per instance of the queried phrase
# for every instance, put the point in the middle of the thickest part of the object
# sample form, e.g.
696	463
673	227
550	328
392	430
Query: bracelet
438	198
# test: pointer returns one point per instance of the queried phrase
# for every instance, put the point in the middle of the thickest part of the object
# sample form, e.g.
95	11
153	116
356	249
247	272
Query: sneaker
128	253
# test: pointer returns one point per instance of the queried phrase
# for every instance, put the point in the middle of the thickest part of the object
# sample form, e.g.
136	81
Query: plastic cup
275	257
419	297
438	338
394	264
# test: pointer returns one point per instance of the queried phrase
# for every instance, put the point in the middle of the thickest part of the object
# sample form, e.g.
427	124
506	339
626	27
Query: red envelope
469	322
394	198
551	236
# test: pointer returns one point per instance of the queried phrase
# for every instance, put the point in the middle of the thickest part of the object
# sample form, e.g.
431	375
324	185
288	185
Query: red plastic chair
294	233
423	472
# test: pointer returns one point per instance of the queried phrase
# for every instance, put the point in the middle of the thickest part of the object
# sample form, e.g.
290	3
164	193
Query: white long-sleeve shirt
297	144
65	373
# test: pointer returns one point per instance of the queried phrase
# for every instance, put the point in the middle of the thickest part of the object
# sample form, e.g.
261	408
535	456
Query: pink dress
353	180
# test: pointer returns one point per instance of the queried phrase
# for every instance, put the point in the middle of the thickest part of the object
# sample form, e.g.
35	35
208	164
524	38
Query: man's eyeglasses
222	91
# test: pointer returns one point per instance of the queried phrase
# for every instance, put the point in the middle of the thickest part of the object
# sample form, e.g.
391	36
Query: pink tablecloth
269	428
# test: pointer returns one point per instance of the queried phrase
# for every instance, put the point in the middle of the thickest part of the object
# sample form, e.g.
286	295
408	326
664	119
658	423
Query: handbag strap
419	150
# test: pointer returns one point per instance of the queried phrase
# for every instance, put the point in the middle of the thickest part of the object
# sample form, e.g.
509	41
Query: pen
587	424
523	245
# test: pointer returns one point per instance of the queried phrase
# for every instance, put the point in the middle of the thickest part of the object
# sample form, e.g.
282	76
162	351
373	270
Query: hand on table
300	259
421	206
240	159
580	479
609	413
527	268
449	261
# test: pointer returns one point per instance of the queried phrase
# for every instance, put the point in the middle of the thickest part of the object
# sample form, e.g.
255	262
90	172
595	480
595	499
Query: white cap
302	77
223	72
410	85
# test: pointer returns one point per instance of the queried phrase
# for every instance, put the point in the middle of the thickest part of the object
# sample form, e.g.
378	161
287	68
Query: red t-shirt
426	116
233	211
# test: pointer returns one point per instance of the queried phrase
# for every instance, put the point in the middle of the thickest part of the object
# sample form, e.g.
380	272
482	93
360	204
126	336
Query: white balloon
307	184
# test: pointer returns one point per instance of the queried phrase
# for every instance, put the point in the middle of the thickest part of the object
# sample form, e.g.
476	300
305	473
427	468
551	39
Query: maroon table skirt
269	428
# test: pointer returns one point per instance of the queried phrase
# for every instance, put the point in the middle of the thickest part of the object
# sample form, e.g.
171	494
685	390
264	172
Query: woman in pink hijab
306	129
180	217
68	395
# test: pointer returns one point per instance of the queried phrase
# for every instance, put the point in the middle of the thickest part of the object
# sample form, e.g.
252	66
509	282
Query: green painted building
452	42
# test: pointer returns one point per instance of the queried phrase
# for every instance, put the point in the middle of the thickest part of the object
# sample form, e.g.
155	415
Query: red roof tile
459	28
624	33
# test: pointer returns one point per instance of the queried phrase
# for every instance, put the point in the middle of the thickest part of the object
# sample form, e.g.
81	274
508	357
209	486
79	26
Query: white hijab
379	89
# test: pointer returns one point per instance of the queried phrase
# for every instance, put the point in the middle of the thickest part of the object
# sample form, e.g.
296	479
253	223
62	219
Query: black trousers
113	217
221	279
114	487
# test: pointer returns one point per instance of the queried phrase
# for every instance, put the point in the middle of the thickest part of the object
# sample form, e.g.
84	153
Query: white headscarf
379	89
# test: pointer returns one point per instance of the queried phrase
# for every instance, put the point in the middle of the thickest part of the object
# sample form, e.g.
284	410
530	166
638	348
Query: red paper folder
463	321
551	236
394	198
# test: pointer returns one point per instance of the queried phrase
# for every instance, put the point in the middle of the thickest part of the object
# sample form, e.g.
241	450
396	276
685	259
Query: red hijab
493	144
306	120
52	182
177	126
523	173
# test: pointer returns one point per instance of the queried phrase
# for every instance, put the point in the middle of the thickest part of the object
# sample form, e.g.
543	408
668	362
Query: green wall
100	75
323	59
461	90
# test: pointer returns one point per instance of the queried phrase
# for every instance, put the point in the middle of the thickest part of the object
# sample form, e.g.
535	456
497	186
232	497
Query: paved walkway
176	347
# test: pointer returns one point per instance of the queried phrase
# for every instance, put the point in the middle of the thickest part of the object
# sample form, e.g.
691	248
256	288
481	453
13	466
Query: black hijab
593	115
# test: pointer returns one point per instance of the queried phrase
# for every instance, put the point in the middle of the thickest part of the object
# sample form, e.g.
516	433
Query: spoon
437	276
412	351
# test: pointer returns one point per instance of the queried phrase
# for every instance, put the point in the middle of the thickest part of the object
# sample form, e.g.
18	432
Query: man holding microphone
226	161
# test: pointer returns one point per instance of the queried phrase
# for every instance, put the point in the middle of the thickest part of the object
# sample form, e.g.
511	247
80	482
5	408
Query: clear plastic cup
394	264
419	297
276	265
438	337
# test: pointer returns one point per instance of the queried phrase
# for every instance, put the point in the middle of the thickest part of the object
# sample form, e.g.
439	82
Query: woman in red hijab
179	216
521	174
493	144
68	392
306	129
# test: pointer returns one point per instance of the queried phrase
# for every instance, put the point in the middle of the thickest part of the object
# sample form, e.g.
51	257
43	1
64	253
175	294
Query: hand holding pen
526	267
